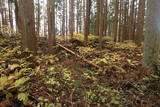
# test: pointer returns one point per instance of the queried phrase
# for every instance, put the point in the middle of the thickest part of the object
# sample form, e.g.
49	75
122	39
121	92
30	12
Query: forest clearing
79	53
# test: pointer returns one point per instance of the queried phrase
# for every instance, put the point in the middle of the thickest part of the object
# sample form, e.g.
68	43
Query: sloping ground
64	80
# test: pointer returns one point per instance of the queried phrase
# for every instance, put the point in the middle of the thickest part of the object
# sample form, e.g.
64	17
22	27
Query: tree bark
131	21
152	37
71	18
63	18
139	29
105	18
2	12
16	14
101	23
51	24
126	20
115	25
27	21
97	17
38	18
10	13
66	16
87	20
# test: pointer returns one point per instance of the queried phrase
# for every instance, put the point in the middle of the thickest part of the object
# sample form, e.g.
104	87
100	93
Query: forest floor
61	79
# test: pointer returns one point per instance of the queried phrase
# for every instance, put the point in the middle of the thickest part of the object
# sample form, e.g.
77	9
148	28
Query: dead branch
85	60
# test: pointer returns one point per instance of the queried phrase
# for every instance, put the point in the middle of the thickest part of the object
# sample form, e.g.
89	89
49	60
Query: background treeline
121	19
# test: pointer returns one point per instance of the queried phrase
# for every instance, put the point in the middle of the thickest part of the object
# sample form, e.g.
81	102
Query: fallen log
82	58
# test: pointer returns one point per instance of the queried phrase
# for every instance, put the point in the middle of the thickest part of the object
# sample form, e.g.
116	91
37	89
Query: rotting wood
85	60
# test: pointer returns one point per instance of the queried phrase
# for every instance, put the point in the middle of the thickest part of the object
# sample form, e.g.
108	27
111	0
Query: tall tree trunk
26	16
16	13
152	37
84	14
101	23
139	29
66	17
115	25
80	17
63	18
105	18
135	20
38	18
10	13
2	12
87	20
77	16
71	18
97	17
51	24
131	21
109	27
120	21
6	18
125	26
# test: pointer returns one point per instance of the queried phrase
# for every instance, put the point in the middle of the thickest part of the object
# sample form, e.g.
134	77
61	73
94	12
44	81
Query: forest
79	53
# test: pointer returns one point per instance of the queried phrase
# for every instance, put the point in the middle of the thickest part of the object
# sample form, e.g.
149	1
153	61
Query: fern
23	97
20	82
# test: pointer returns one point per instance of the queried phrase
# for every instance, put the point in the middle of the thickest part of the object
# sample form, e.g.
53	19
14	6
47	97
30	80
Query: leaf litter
63	80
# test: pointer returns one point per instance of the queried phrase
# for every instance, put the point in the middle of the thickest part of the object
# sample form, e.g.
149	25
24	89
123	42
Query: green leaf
77	84
49	105
3	81
8	95
23	97
155	77
114	101
20	82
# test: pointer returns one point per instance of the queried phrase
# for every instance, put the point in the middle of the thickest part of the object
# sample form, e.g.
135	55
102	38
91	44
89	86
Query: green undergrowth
63	80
